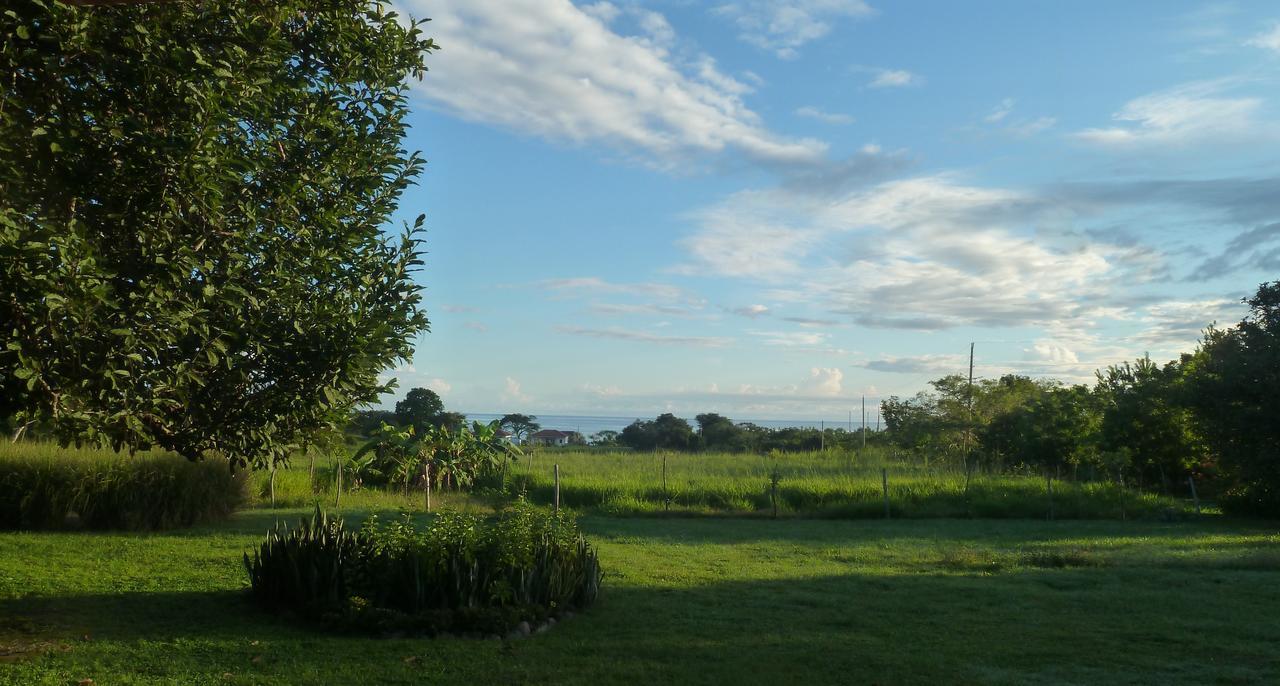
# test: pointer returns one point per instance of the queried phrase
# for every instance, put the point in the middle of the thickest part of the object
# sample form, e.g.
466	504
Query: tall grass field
818	484
44	486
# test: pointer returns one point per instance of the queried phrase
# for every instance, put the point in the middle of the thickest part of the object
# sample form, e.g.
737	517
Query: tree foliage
1234	391
192	199
519	425
421	408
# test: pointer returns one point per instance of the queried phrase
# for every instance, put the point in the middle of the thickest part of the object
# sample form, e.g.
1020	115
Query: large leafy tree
192	204
1057	428
1143	416
421	409
519	425
1234	390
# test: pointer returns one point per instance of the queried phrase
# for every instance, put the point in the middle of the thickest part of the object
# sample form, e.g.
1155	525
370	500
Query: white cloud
629	309
1000	112
551	69
1190	113
791	339
937	365
1267	40
1050	352
512	392
1028	128
751	311
1178	324
824	117
439	386
646	337
825	381
592	285
783	26
918	253
894	78
606	12
601	391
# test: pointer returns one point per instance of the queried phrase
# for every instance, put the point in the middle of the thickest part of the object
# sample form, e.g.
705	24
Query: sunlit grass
821	484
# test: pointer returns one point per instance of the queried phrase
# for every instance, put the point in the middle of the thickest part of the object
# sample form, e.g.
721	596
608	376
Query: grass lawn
696	601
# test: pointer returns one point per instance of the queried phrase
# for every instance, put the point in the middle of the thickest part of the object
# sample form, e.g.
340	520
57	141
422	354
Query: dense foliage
460	573
1234	394
438	456
721	434
192	204
1213	413
43	487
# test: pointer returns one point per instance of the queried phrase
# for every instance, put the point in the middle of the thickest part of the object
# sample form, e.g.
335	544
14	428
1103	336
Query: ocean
590	425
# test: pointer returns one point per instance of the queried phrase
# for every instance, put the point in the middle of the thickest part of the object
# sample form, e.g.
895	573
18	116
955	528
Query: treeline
1214	414
721	434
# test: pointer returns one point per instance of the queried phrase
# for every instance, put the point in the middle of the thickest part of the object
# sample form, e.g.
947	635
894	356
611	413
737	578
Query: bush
462	573
42	486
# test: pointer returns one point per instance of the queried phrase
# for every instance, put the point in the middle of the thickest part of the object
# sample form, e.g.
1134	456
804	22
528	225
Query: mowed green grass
703	600
817	484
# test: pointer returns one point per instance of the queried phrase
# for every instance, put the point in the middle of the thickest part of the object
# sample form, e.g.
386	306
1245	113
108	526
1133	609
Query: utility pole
970	404
822	435
864	422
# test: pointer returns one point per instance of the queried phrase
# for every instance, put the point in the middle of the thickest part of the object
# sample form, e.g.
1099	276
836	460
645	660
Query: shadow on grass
1004	532
1044	626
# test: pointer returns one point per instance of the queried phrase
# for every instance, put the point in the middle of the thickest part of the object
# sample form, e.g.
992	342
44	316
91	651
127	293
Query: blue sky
771	209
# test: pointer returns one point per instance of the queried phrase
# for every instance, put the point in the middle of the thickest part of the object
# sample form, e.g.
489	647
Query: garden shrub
45	487
457	573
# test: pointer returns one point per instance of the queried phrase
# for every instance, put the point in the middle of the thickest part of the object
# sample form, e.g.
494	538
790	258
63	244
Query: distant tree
606	437
193	206
716	432
421	408
639	435
1234	390
519	425
453	421
672	432
366	422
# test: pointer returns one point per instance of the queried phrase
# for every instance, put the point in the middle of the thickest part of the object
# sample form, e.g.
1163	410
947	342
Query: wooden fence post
337	492
884	485
273	484
426	473
666	495
1123	516
1048	484
557	471
1191	481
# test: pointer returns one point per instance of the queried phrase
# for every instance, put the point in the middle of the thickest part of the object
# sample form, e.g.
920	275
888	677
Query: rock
551	621
515	635
566	615
523	628
542	628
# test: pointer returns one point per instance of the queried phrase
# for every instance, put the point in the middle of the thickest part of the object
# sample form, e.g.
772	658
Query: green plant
304	568
460	572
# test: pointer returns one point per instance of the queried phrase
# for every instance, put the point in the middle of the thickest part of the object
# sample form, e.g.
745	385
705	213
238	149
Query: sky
772	209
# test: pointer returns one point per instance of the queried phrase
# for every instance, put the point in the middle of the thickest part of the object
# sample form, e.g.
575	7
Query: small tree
421	409
519	425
